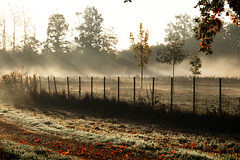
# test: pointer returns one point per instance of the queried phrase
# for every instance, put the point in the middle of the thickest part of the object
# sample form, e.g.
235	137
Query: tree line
92	36
95	45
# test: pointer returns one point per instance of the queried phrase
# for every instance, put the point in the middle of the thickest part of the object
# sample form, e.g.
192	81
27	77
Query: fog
122	65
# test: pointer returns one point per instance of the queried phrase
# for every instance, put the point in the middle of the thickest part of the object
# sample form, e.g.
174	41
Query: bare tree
26	24
3	30
16	20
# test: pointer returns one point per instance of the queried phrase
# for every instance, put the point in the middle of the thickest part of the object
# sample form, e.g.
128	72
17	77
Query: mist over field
87	49
121	64
104	79
220	66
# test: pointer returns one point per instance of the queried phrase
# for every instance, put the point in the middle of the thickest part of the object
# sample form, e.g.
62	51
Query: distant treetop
127	1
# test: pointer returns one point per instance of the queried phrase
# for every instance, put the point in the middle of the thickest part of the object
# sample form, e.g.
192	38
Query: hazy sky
123	17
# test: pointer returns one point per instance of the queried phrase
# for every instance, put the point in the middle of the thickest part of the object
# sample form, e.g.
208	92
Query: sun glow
123	17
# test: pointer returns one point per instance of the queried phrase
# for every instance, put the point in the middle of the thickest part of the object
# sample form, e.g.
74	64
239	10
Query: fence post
21	83
220	96
153	92
14	82
68	87
55	85
118	88
104	87
40	85
48	85
194	95
91	87
79	85
26	83
34	84
171	109
134	90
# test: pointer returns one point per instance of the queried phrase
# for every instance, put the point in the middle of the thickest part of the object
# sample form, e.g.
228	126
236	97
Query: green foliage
56	35
172	54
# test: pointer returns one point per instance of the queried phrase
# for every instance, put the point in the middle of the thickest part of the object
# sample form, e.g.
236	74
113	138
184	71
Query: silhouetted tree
195	65
141	49
26	26
3	31
16	20
93	38
232	35
31	47
90	38
56	35
227	42
172	54
209	23
181	29
110	41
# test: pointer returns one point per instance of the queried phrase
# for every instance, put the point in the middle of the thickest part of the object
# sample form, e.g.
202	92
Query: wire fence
198	95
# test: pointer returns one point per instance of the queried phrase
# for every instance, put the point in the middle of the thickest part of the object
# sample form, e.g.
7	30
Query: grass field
77	136
37	125
207	91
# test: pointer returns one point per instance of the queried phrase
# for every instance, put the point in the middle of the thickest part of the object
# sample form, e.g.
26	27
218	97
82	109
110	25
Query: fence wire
207	91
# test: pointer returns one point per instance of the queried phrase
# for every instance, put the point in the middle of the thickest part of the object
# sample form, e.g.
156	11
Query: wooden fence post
27	83
48	85
104	87
34	84
171	109
40	85
134	90
220	96
21	83
194	95
153	92
55	85
79	87
118	88
68	87
91	87
14	82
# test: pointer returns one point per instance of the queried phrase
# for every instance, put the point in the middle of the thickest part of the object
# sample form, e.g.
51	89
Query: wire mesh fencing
198	95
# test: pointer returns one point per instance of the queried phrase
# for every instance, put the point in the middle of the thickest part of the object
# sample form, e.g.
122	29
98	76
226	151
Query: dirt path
11	131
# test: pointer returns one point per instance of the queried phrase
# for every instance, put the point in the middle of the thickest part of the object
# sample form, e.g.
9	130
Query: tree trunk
14	38
25	33
173	70
141	60
4	35
141	76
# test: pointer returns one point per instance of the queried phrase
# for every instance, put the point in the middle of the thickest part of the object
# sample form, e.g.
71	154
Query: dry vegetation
45	132
52	126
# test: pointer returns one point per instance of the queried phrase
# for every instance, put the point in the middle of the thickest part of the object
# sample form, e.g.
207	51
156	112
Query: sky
123	17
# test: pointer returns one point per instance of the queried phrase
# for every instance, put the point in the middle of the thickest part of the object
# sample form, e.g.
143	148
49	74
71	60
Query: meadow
55	125
206	91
